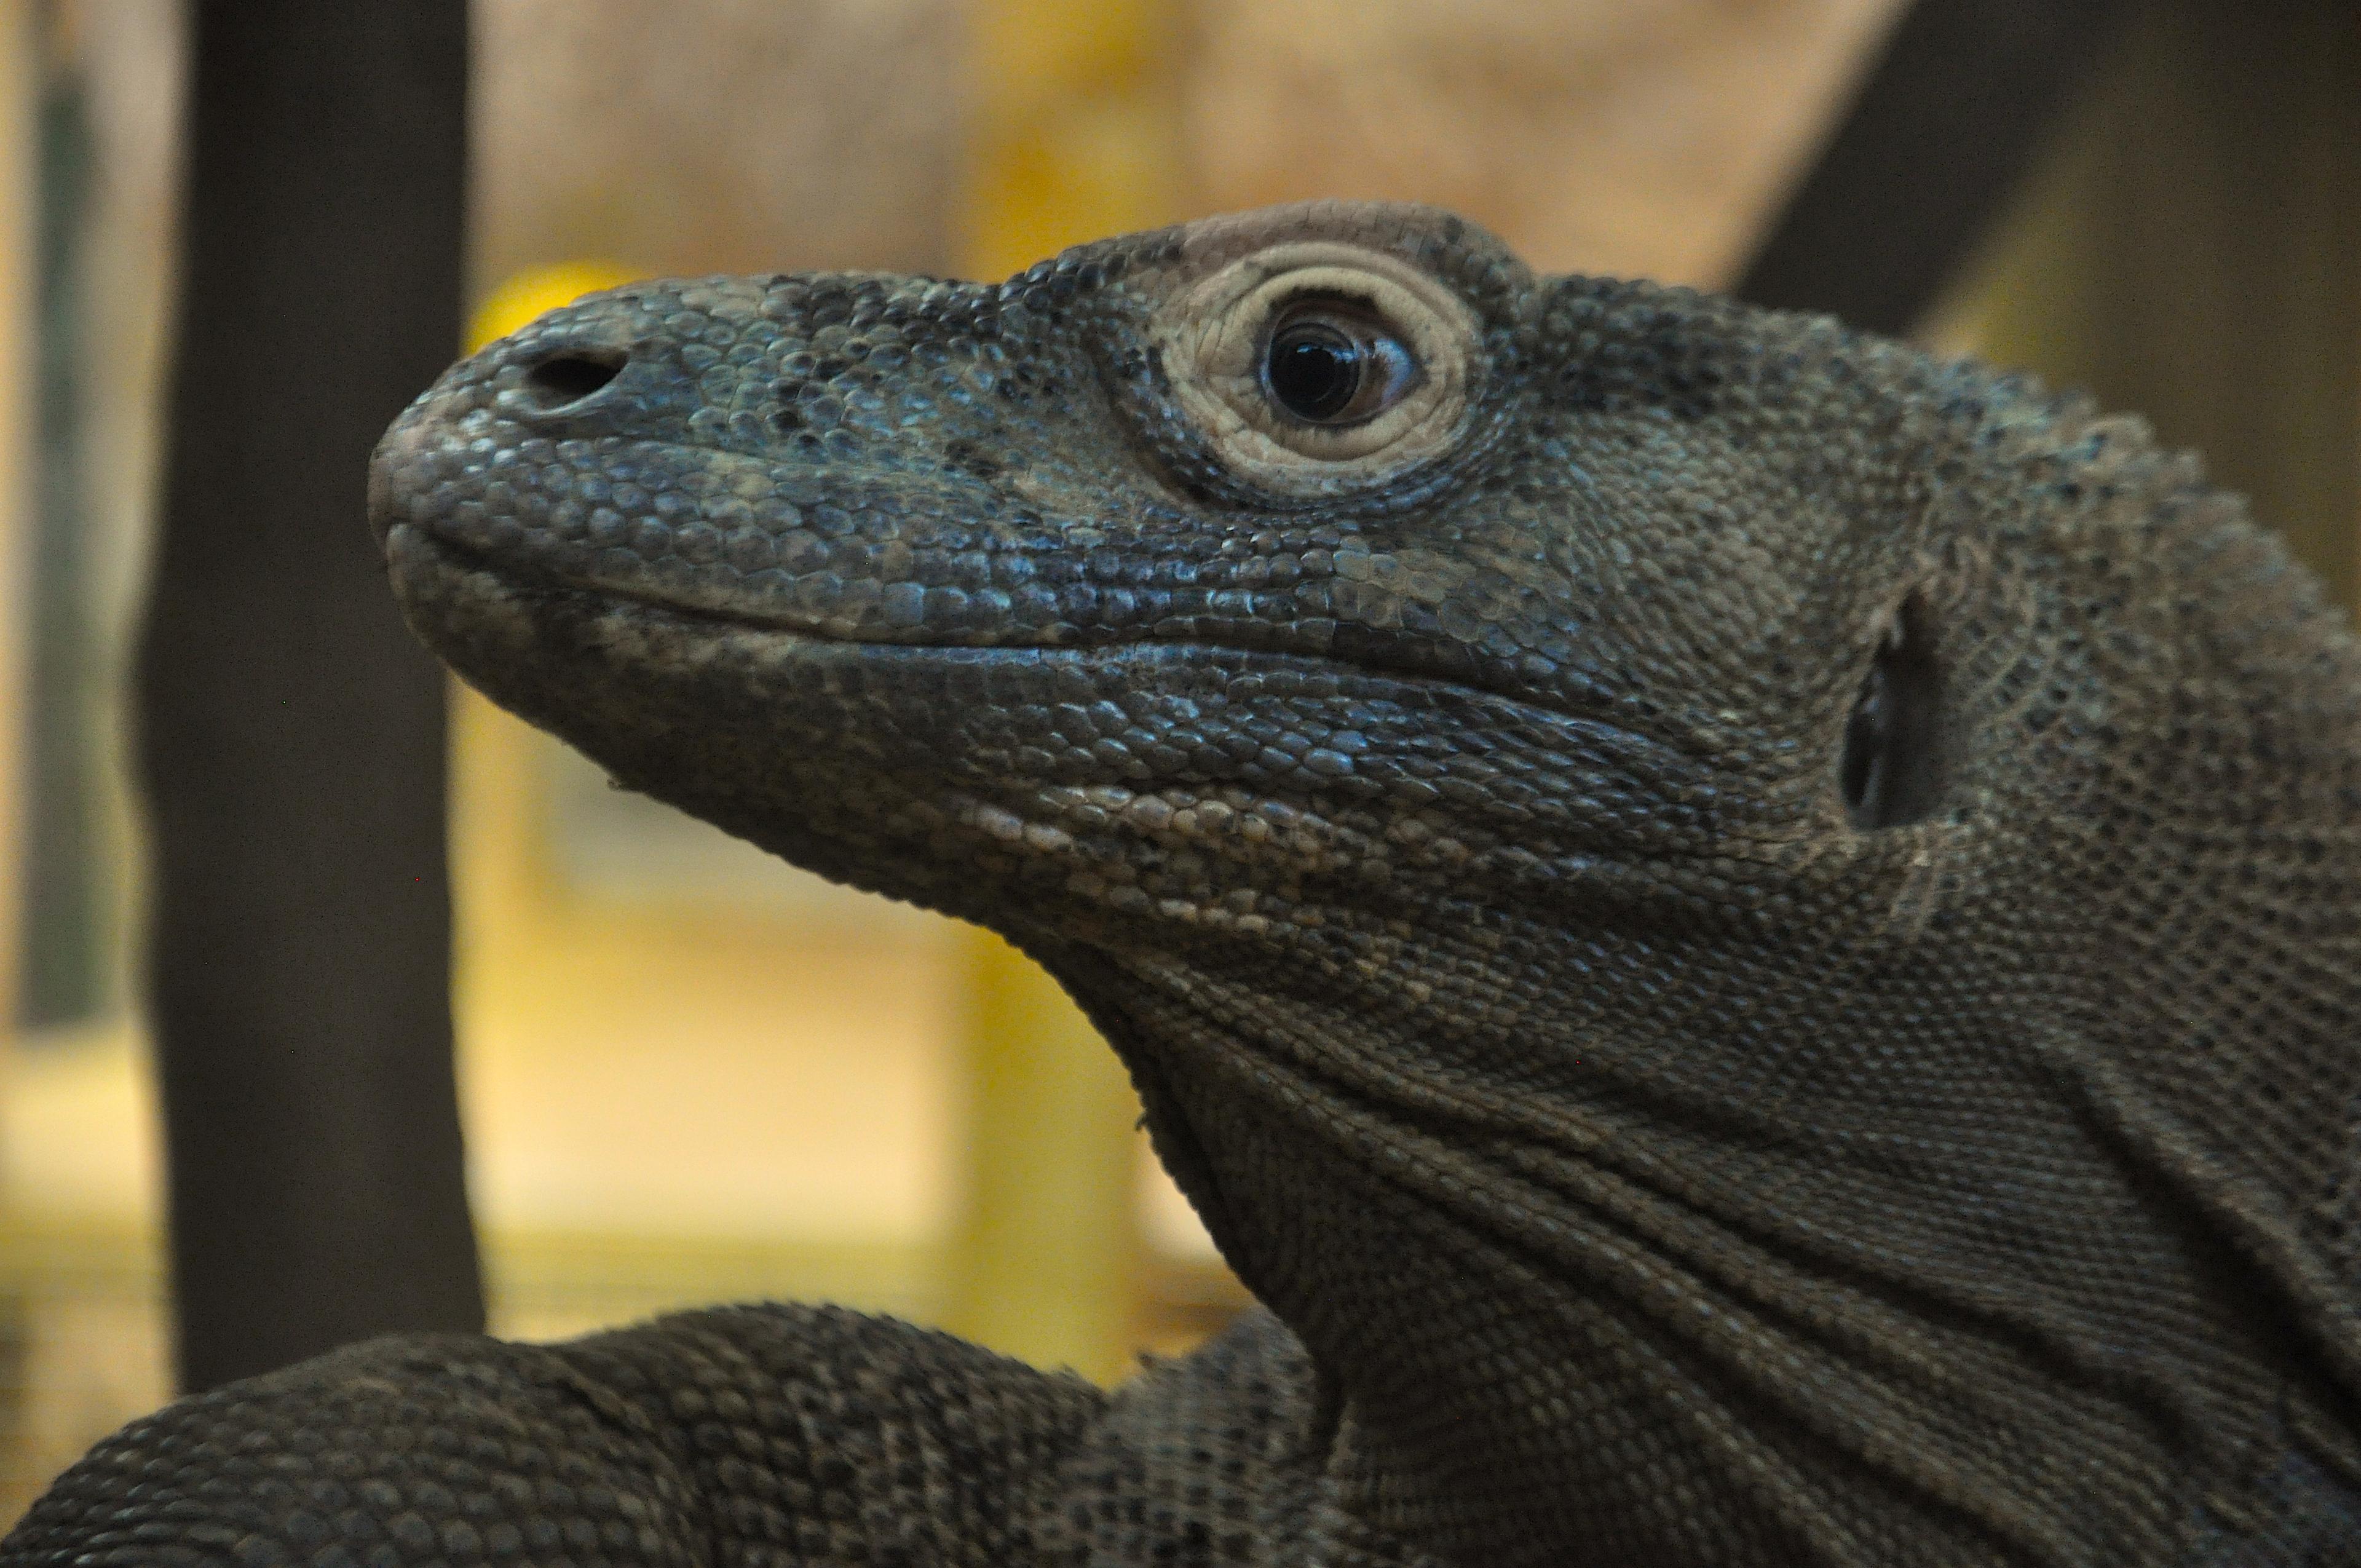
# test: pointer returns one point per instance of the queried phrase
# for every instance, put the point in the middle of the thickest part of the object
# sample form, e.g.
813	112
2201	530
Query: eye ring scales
1318	368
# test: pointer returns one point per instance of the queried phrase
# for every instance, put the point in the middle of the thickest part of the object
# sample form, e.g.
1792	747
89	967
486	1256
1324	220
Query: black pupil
1314	370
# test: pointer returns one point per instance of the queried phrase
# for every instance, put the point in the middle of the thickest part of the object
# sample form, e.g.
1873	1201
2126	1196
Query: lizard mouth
812	576
411	544
1380	665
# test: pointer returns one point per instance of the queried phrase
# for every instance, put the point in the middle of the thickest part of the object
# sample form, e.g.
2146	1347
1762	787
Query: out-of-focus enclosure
687	1073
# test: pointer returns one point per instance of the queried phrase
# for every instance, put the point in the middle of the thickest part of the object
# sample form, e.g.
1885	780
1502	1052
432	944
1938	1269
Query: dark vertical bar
2193	251
1937	137
292	731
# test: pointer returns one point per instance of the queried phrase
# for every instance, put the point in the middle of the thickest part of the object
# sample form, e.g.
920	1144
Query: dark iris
1314	370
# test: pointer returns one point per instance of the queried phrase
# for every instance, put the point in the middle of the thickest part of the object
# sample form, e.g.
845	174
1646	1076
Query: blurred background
686	1073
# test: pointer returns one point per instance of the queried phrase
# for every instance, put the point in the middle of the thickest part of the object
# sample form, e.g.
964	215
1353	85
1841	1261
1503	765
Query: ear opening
1890	770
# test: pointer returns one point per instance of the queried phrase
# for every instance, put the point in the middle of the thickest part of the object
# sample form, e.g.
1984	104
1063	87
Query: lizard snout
388	496
591	369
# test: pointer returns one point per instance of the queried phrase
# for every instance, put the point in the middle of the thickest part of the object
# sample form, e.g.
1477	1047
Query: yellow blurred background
689	1073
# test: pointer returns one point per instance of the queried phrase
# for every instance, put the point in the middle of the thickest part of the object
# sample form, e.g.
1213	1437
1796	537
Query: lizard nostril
568	377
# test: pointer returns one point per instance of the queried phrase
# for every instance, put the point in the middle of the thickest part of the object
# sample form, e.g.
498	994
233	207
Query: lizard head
1190	578
1669	874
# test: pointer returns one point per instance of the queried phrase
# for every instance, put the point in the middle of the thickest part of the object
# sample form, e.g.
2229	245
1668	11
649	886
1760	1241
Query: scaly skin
1749	937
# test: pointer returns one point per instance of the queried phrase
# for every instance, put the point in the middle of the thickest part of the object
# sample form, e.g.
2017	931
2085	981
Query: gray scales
1751	940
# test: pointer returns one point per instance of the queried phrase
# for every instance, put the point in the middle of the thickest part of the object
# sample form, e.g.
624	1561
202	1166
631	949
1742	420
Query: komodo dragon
1749	936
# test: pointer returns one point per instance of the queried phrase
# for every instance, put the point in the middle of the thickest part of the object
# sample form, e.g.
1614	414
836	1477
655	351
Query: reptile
1746	935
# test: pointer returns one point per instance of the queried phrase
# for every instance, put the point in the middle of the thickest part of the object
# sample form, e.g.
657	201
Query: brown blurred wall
1640	137
1637	136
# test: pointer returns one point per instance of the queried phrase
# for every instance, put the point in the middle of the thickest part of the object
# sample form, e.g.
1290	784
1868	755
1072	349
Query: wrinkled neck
1601	1295
1360	1199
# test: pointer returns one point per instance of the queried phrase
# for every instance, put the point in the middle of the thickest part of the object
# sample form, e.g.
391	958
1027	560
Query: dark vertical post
1938	136
291	732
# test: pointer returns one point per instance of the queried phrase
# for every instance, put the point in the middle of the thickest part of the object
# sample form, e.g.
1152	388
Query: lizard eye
1888	772
1327	363
1312	368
